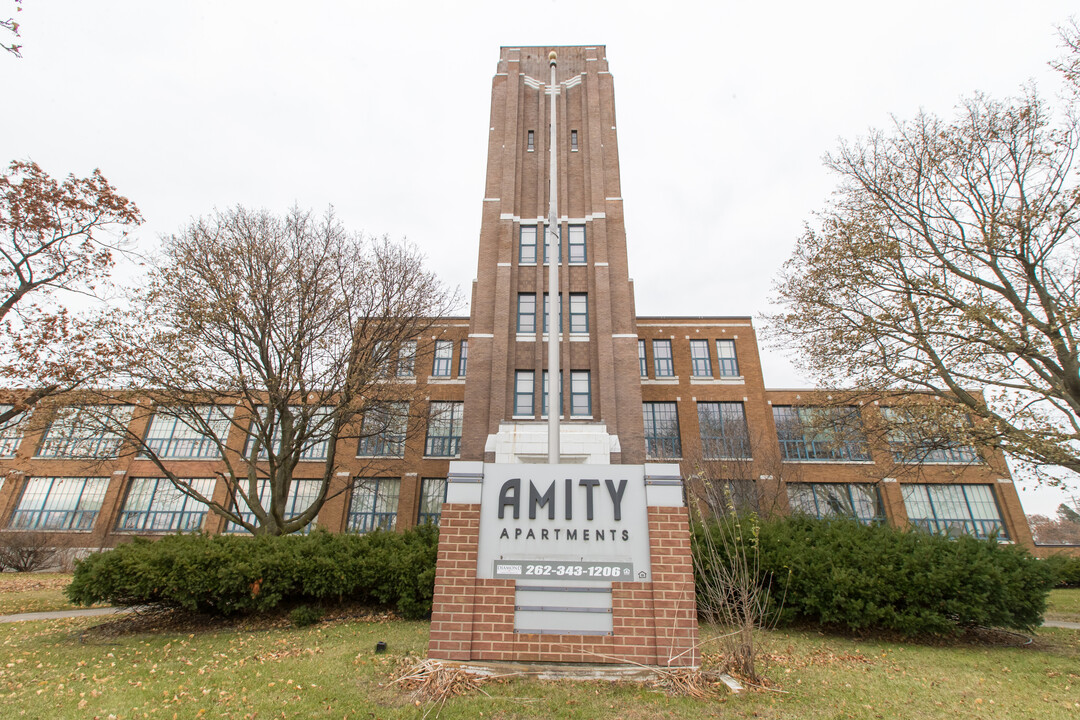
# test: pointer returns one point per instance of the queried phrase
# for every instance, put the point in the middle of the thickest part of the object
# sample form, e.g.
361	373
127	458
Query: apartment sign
564	523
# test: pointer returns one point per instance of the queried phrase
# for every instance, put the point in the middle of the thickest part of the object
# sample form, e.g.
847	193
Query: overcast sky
725	110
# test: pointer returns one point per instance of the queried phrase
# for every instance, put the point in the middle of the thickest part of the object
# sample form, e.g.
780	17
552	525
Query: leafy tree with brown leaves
948	264
12	26
57	246
289	329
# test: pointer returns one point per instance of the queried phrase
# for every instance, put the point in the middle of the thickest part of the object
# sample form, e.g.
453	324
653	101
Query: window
444	429
915	438
156	505
954	509
579	313
526	315
725	497
726	358
11	433
407	359
383	431
86	431
547	243
809	433
314	447
547	311
374	505
643	366
177	433
463	358
527	245
302	494
663	365
544	396
432	497
576	244
580	394
723	430
854	500
530	142
662	430
59	503
524	385
444	355
700	364
573	142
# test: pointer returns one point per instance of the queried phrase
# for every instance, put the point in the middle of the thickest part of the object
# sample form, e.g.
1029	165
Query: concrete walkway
61	614
1061	624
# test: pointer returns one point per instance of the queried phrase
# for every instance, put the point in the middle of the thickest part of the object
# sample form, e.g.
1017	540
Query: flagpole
554	297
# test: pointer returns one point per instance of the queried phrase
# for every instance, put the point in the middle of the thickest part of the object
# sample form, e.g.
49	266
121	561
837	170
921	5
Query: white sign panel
564	524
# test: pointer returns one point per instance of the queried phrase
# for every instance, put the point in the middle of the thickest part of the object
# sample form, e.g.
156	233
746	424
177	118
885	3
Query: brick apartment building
687	389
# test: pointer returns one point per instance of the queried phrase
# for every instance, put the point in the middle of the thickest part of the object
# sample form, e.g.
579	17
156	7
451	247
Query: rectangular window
725	497
86	431
573	141
579	312
726	358
11	433
854	500
527	245
432	497
524	385
544	396
526	314
530	141
383	431
374	505
662	440
316	442
444	429
406	366
59	503
188	433
724	433
809	433
547	312
580	394
576	244
302	494
918	439
642	364
547	243
700	363
663	364
444	356
954	510
156	505
463	359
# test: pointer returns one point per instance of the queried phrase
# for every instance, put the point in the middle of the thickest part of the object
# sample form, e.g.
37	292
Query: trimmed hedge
1066	569
840	573
230	574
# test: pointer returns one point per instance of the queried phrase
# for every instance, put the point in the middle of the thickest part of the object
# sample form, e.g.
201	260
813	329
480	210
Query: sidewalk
61	614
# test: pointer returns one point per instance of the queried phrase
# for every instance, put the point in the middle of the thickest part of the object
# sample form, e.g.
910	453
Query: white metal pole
554	297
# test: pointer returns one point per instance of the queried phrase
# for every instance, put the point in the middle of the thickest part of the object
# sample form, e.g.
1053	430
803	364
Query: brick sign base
654	623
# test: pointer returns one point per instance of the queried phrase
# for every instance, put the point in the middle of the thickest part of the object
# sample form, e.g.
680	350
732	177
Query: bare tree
13	27
949	263
57	241
288	329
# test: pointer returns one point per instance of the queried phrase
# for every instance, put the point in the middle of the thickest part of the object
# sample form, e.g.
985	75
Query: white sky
381	109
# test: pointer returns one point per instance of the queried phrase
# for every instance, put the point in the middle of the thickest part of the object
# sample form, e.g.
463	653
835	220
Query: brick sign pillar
548	598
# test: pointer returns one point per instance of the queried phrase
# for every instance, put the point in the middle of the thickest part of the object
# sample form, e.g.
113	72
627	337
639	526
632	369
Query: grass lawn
33	592
1064	605
56	669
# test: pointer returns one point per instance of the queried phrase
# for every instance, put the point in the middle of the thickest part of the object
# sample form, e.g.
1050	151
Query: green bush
305	615
1066	569
840	573
228	574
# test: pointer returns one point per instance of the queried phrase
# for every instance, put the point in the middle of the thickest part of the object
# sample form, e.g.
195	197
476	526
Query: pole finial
552	57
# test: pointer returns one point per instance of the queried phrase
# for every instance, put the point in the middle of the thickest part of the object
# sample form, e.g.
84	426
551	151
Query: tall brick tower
601	391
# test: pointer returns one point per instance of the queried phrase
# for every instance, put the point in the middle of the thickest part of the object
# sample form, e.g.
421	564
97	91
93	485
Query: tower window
573	141
531	143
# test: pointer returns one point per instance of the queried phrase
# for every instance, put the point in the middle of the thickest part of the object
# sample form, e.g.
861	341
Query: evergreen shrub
1066	569
840	573
231	574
